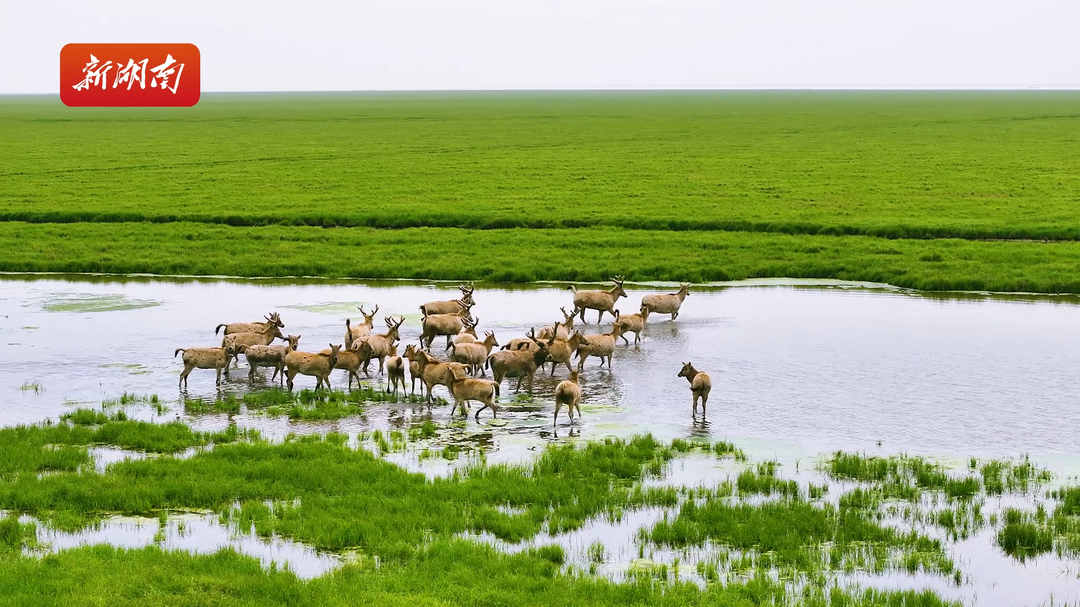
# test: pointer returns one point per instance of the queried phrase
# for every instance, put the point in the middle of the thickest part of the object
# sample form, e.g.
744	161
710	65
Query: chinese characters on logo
130	74
135	71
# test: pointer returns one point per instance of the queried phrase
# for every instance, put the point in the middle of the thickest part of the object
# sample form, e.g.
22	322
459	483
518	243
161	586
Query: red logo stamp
129	75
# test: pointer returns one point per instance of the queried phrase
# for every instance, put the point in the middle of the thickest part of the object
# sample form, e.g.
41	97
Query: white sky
271	45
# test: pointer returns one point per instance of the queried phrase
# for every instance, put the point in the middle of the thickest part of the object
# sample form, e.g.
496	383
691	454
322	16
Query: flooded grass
304	404
32	386
904	477
793	532
771	537
445	572
62	447
1026	535
89	303
331	481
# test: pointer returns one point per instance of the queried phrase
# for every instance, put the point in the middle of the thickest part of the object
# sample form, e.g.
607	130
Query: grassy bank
521	255
523	186
901	164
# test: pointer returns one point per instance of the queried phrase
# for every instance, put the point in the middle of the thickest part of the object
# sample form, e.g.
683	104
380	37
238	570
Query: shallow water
199	533
798	370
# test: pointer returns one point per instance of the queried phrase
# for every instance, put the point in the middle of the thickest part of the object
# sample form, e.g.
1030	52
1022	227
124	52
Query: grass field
677	186
319	491
771	539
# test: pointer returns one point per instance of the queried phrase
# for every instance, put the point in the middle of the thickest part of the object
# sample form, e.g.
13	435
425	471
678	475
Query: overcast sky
569	44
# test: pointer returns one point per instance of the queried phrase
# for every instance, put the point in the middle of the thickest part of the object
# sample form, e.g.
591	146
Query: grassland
769	539
330	496
520	255
927	190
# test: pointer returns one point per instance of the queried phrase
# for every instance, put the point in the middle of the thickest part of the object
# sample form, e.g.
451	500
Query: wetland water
799	370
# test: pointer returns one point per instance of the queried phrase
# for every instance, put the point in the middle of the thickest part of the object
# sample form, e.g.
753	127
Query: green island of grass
773	540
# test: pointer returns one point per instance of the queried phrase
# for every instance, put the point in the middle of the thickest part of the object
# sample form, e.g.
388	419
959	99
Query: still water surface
799	370
795	369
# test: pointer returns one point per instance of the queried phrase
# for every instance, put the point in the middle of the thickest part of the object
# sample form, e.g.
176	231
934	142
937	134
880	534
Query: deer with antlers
562	329
599	300
379	345
451	306
359	331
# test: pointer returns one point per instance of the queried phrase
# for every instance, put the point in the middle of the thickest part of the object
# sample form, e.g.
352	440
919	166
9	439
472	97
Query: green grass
664	186
446	573
794	532
764	481
587	254
34	387
319	491
561	490
897	164
92	417
901	476
62	447
1022	537
301	404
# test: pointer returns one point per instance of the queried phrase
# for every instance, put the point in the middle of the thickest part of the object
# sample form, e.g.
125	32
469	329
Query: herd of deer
469	355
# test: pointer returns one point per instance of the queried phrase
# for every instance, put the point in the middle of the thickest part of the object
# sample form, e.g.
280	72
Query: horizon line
793	88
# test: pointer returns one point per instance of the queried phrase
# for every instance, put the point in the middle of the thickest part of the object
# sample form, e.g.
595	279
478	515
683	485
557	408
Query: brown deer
667	304
269	356
378	346
317	365
602	346
463	390
395	371
700	385
560	350
599	300
518	363
233	342
434	372
442	324
568	393
467	334
474	354
633	323
562	329
359	331
251	327
204	358
451	306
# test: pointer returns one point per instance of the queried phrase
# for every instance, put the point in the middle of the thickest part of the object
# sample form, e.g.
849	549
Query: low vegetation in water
446	572
771	538
1026	534
791	531
300	404
62	447
905	477
319	491
32	386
